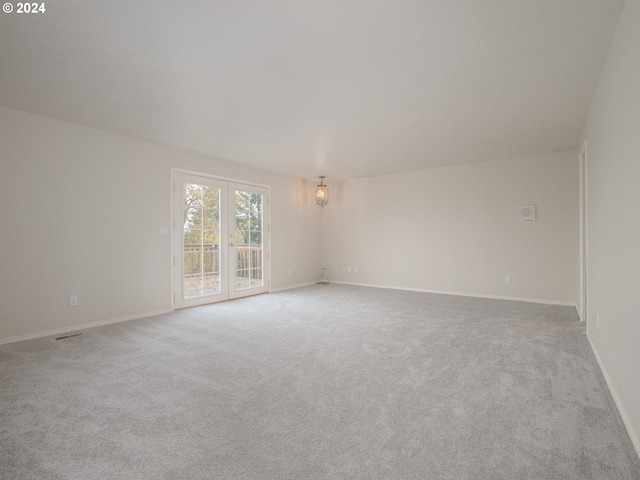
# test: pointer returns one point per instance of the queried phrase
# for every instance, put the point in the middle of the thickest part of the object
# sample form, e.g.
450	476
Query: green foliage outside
201	229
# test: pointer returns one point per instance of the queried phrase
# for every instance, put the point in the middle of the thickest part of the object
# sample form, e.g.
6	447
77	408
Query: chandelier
322	194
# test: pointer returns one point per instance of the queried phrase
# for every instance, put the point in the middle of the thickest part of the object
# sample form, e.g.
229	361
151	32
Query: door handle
232	244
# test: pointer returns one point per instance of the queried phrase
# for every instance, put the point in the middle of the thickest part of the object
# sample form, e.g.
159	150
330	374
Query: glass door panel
201	269
249	221
200	265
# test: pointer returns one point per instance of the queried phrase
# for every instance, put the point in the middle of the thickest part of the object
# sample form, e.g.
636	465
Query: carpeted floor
322	382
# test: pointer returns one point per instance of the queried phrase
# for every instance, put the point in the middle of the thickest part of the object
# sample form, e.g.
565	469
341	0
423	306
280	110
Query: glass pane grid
192	286
201	239
249	239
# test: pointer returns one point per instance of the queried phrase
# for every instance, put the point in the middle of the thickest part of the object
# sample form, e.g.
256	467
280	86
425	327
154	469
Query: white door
221	240
249	233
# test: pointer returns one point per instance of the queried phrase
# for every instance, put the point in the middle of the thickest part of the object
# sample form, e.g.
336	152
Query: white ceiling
344	88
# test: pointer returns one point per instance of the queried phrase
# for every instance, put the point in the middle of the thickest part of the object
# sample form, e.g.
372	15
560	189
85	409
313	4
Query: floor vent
71	335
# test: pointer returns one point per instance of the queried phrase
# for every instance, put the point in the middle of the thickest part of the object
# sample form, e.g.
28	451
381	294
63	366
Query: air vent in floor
71	335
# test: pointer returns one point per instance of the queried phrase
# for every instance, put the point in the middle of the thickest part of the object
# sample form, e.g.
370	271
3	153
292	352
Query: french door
221	240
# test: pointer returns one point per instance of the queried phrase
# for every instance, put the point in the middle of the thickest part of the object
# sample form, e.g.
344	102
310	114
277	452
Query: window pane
242	210
211	283
256	258
256	238
211	237
242	237
192	205
209	260
192	262
241	222
211	197
242	258
256	277
211	218
256	223
192	237
192	286
256	199
242	279
255	213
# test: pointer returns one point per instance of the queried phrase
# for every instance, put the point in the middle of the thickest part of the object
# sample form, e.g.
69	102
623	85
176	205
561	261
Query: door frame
584	236
174	171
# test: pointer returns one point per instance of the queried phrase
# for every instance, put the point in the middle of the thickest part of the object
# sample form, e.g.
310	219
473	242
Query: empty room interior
320	240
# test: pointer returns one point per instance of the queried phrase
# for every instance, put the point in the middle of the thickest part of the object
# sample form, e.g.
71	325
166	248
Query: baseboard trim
75	328
635	438
290	287
464	294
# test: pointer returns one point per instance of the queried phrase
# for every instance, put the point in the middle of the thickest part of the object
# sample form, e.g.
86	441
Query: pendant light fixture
322	194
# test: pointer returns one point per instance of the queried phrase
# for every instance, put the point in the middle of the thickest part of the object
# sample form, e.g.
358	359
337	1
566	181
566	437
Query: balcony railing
247	257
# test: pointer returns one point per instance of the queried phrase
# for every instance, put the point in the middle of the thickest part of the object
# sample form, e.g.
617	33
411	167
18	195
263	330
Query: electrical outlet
73	300
349	269
507	279
164	231
344	269
289	272
355	269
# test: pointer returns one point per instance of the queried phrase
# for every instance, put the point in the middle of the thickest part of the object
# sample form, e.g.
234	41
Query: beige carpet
323	382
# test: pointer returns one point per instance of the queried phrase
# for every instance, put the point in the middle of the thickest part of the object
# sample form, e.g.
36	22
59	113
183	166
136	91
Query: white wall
81	211
612	131
454	229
